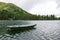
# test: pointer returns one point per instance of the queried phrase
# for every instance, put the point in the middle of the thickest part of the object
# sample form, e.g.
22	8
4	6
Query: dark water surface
44	30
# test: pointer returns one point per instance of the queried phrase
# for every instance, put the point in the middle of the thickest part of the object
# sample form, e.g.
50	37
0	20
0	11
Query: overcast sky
42	7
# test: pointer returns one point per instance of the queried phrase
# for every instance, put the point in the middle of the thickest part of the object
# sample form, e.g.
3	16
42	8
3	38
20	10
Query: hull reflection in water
13	32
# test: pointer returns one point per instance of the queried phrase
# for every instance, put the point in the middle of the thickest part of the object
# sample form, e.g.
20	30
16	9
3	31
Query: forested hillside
9	11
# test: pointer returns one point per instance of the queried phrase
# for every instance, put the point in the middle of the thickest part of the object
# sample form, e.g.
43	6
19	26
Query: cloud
58	2
28	4
45	8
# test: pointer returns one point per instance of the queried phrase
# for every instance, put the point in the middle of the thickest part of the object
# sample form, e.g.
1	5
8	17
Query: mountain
9	11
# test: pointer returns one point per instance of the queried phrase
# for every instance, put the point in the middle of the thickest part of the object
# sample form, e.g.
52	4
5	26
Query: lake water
44	30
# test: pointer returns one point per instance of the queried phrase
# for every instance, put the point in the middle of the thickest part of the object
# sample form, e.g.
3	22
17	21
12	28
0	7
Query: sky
39	7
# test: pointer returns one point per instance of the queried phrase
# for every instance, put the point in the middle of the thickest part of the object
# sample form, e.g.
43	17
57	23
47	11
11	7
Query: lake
44	30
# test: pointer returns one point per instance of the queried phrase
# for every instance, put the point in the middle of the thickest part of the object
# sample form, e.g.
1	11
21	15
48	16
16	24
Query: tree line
7	15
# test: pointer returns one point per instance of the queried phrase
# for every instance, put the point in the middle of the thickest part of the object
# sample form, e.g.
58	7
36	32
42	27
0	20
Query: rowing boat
20	27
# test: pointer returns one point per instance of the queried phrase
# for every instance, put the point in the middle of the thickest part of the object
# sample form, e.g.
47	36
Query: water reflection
13	22
45	30
13	32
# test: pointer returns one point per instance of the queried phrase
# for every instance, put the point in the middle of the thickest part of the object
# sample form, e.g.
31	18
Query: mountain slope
12	12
